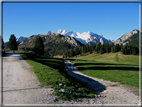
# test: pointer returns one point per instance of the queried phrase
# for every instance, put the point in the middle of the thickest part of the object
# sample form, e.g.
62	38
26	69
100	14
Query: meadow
114	67
50	72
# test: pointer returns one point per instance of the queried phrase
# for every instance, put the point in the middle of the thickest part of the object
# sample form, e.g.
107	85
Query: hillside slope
133	40
123	38
54	43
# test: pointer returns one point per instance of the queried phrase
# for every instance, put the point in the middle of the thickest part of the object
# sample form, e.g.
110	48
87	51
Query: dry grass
58	56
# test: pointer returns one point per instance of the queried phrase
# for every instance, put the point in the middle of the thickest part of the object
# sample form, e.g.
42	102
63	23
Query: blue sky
111	20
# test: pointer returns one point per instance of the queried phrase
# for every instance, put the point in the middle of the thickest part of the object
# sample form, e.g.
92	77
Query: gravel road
20	87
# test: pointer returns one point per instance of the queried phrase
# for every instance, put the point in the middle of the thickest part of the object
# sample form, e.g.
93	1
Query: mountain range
58	43
86	37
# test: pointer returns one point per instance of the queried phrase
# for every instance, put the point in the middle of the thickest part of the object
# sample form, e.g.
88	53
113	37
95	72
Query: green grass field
50	72
114	67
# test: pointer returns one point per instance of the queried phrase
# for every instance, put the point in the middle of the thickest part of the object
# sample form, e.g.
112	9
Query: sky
111	20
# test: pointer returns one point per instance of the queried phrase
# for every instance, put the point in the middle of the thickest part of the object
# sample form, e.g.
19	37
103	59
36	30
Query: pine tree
85	49
94	47
100	45
134	50
123	50
117	47
101	50
91	49
39	46
97	48
113	49
109	47
12	43
71	53
66	54
80	51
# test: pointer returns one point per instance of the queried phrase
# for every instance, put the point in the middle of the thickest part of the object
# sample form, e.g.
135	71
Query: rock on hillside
126	36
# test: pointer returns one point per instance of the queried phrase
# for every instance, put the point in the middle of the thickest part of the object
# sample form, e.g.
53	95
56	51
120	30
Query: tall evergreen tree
113	49
85	49
98	47
81	51
109	47
94	47
106	46
117	47
134	51
13	43
39	46
91	49
101	50
121	45
71	53
123	50
66	54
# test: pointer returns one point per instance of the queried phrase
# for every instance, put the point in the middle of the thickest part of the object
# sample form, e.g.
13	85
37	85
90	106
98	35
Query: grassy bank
114	67
50	72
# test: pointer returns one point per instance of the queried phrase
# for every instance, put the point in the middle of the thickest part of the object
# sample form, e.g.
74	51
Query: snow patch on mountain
86	37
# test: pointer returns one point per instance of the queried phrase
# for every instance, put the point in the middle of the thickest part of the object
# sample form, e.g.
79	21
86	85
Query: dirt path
20	85
108	92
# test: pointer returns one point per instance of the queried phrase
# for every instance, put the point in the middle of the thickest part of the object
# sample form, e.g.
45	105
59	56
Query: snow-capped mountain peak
86	37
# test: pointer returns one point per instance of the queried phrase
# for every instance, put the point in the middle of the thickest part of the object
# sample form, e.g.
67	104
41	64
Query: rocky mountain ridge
86	37
126	36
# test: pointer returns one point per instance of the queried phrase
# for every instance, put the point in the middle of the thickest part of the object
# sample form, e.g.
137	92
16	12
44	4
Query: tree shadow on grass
105	66
54	63
84	62
78	64
109	68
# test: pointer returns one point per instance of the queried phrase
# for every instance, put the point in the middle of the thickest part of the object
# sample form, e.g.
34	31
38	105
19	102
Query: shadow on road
97	86
9	54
